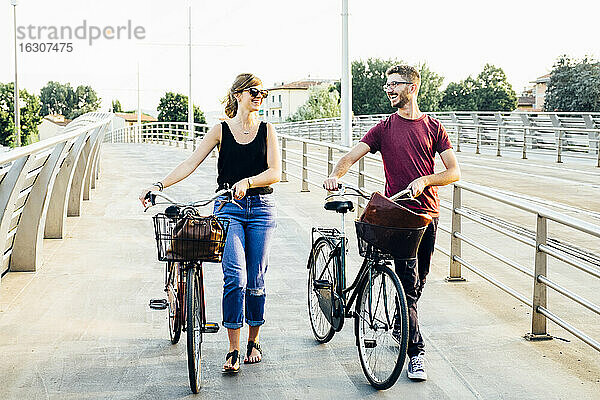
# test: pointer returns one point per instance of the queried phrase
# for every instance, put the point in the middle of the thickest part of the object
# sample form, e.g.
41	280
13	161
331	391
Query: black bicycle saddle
339	206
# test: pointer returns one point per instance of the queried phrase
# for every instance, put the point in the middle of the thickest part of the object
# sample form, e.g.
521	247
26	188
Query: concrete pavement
80	327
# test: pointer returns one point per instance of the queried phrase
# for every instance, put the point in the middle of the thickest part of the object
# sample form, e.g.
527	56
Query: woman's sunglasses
254	92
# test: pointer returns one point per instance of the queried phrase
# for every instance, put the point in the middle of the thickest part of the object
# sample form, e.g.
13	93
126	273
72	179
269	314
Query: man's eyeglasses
392	85
254	92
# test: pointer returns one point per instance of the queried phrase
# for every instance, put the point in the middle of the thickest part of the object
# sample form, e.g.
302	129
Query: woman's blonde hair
241	82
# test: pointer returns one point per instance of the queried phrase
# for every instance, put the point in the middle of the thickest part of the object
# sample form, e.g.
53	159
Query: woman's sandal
235	358
252	345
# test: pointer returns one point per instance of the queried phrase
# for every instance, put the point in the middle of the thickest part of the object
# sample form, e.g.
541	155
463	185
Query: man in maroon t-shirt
408	141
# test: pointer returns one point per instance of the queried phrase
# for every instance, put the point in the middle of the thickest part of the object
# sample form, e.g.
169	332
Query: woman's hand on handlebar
240	188
331	183
144	198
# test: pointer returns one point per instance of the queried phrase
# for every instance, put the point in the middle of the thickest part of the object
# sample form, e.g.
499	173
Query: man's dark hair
407	71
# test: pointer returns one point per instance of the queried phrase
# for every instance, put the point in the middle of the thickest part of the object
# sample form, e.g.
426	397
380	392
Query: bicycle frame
339	241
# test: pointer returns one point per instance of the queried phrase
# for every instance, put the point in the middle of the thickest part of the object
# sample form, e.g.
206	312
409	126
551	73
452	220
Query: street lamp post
17	116
190	103
346	81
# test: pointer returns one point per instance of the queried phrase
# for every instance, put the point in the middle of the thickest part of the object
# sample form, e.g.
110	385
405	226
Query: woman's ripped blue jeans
245	258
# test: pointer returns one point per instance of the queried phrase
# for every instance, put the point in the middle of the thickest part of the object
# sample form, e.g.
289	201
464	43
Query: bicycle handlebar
200	203
342	188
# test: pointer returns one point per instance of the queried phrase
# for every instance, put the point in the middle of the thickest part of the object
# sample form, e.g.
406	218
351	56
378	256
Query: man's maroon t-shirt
408	148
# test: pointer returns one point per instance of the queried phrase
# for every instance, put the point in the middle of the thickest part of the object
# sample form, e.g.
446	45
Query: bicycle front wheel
320	284
195	314
381	327
173	300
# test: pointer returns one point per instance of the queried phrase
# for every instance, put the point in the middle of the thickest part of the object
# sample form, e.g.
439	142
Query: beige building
541	84
286	98
131	118
52	125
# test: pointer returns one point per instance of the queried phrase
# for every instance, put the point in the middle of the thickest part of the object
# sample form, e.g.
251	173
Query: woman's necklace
246	131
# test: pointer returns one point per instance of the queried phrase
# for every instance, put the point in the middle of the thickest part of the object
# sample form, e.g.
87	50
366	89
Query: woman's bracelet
159	185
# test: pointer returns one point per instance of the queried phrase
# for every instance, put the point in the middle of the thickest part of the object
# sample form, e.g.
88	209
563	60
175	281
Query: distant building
131	118
286	98
52	125
526	101
541	84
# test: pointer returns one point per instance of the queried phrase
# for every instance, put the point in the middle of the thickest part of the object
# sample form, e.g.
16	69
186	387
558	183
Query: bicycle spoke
381	352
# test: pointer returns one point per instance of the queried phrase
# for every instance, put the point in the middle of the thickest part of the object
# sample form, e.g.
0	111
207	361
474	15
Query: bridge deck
80	327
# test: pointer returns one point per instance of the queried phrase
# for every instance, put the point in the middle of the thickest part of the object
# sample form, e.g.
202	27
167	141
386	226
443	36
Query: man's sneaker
416	371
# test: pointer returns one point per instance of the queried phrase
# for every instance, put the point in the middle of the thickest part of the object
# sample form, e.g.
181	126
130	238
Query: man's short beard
402	101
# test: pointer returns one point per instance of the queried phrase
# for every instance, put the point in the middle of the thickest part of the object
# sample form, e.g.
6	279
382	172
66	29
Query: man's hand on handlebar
331	184
417	187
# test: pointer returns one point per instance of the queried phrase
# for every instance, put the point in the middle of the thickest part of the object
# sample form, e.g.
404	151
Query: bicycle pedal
370	343
321	284
158	304
211	327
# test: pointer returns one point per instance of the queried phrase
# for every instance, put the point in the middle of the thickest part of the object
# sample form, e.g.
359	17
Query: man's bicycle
185	240
380	312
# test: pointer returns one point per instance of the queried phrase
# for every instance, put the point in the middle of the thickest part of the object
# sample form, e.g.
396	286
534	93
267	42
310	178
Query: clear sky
288	40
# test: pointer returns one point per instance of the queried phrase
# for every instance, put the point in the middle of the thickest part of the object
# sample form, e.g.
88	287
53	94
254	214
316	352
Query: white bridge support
41	184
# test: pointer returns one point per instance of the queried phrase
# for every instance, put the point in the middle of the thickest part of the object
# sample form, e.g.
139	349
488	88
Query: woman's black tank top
239	161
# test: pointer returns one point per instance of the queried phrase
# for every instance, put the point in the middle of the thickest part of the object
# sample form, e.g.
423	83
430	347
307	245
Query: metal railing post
455	243
525	135
478	140
361	185
458	128
498	140
329	161
559	147
284	160
332	131
538	321
304	167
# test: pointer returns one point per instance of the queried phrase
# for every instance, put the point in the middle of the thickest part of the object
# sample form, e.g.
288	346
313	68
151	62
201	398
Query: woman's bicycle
185	239
380	312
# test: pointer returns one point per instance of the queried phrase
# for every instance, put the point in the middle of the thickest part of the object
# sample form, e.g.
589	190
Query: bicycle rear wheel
173	300
381	327
321	275
195	318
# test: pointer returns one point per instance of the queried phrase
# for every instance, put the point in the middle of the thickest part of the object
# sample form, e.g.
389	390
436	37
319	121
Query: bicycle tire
194	313
379	330
322	328
173	301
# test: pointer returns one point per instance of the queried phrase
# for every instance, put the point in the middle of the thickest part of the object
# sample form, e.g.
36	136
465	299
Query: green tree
489	91
29	115
367	78
173	107
86	101
57	98
494	92
459	96
369	75
116	106
574	85
430	94
323	102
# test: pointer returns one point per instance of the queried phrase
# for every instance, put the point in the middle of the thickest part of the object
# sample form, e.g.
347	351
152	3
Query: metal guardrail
170	133
43	183
562	134
305	160
543	248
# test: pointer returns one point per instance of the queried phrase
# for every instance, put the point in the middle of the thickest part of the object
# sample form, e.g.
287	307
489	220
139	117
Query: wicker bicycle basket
375	241
190	238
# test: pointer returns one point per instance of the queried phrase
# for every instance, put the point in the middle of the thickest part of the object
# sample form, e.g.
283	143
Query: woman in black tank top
249	163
